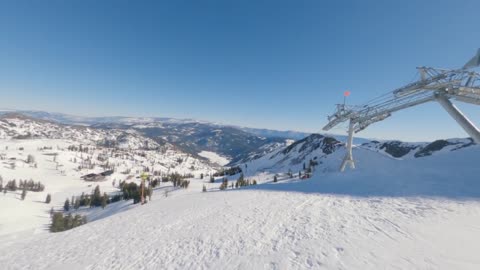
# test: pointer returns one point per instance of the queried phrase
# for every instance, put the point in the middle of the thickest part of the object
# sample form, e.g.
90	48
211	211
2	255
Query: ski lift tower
440	85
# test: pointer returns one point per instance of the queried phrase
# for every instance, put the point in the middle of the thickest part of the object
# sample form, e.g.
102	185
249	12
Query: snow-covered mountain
18	126
398	149
192	136
327	152
85	120
269	133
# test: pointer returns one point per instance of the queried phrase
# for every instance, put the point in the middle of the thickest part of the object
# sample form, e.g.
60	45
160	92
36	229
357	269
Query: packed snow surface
388	214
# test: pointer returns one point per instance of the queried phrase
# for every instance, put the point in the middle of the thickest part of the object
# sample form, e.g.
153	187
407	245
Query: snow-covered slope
406	206
58	164
317	148
387	214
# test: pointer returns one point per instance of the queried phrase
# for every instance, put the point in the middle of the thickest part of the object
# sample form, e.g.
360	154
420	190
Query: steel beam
458	116
348	159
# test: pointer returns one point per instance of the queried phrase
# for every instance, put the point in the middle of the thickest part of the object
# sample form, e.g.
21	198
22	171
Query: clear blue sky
270	64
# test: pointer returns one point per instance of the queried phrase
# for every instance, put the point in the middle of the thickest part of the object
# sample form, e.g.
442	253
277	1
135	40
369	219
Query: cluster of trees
108	143
224	184
102	157
173	177
134	191
87	164
230	171
31	186
30	159
183	183
155	182
311	164
242	182
93	200
79	148
24	185
178	179
62	223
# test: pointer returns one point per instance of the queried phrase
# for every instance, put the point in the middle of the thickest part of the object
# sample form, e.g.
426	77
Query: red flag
346	93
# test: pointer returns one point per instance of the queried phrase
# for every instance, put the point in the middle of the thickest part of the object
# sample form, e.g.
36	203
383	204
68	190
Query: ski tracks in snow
251	229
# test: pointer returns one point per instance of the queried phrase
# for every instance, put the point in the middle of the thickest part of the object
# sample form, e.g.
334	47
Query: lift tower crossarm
435	84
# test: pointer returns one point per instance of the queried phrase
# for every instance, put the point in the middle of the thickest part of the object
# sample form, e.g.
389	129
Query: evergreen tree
88	201
30	159
48	199
104	200
62	223
82	199
24	193
68	222
66	205
77	204
96	197
224	184
149	193
57	223
13	186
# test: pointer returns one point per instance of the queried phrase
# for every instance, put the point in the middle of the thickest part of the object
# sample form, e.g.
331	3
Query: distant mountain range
237	144
190	136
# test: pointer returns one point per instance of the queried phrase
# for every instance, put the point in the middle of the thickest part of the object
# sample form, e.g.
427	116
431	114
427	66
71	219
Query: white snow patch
214	157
